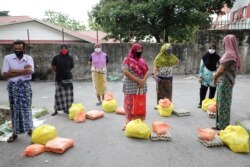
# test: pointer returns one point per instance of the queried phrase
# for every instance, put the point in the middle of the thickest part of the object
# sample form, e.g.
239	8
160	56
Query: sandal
12	138
54	113
30	132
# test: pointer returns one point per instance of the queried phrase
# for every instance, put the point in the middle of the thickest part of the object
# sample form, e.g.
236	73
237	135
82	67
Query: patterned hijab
231	50
138	65
163	59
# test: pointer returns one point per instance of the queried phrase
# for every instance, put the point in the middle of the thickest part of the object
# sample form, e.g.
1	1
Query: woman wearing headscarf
163	71
62	64
208	66
225	79
99	61
135	71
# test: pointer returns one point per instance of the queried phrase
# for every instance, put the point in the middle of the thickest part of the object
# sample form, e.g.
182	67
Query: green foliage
63	20
4	13
136	19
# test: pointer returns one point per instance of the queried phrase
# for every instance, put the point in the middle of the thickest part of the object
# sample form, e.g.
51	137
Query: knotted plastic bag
236	138
42	134
165	103
212	108
33	150
137	129
206	134
206	102
75	107
79	117
109	105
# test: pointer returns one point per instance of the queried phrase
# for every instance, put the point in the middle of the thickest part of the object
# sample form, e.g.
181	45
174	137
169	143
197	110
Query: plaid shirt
129	86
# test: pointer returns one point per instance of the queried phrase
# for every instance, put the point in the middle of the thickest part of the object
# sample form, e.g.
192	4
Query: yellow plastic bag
136	128
165	112
207	102
42	134
109	105
236	138
75	107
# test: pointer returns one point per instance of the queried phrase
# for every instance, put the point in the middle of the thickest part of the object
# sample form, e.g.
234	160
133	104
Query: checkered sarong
64	97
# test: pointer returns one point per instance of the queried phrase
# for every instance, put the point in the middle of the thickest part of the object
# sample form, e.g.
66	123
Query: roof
85	36
239	4
101	35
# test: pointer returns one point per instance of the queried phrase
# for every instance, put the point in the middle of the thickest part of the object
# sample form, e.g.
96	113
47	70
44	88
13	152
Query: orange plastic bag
206	134
160	127
108	96
94	114
212	108
120	111
59	145
79	117
33	150
165	103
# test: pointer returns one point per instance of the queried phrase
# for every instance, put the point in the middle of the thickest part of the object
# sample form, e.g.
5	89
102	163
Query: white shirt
12	62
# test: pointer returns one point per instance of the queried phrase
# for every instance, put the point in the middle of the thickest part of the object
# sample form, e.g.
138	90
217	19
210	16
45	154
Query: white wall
37	31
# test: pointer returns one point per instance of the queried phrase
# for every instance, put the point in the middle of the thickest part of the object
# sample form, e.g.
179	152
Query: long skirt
64	97
224	99
164	89
20	99
100	82
129	106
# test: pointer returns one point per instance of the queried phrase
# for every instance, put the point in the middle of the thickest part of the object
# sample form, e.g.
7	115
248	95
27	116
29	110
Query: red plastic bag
79	117
59	145
33	150
139	105
206	134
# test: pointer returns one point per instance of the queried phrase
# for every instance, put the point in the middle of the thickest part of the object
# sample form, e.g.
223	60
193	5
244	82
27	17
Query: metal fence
226	25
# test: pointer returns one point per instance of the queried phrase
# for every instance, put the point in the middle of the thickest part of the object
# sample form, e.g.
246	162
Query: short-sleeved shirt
12	62
102	69
64	65
129	86
229	72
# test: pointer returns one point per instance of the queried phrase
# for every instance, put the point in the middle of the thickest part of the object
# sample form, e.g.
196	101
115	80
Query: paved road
103	143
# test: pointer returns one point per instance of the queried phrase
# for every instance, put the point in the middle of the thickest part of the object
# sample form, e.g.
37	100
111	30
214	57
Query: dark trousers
203	92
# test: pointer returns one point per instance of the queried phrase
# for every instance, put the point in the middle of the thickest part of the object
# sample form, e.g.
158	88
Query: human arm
155	73
201	71
218	73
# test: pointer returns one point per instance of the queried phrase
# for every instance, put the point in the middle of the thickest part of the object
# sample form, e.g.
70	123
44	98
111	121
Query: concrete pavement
103	143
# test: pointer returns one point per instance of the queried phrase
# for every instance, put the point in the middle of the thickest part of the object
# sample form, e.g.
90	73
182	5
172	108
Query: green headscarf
165	60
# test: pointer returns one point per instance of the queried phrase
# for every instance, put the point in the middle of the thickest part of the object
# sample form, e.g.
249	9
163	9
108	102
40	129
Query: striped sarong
20	99
64	97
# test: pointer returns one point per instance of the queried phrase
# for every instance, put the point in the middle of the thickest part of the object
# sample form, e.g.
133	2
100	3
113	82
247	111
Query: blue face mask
19	54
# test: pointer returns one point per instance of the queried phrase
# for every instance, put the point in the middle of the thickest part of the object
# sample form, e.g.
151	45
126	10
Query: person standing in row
225	79
136	72
163	72
208	66
99	61
62	64
18	68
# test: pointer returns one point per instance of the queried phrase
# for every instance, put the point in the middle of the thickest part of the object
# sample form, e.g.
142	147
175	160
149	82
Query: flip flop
12	138
30	132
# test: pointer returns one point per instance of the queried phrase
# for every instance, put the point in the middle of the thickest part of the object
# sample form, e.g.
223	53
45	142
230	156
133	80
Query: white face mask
211	51
98	50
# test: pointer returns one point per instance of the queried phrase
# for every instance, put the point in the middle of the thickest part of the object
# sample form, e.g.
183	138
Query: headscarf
231	50
138	65
210	60
98	59
163	59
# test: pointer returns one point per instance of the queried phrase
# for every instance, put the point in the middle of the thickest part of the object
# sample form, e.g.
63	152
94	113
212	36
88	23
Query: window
235	16
244	12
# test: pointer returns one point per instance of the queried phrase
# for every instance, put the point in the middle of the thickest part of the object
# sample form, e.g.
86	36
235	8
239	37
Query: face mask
98	50
169	51
138	54
19	54
211	51
64	52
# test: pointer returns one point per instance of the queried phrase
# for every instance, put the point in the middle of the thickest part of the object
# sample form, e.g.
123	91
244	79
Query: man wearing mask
99	61
208	67
163	71
17	69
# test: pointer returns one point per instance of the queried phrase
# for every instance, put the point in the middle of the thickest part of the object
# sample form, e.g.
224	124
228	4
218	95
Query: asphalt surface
102	143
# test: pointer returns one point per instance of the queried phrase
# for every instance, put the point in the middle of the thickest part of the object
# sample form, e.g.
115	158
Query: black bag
67	83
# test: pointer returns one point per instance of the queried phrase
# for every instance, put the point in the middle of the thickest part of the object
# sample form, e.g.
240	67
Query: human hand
200	79
141	83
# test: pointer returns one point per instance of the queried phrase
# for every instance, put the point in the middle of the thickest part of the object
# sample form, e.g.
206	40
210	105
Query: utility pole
63	35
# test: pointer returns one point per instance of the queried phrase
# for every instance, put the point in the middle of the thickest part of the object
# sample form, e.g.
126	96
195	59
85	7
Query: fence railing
226	25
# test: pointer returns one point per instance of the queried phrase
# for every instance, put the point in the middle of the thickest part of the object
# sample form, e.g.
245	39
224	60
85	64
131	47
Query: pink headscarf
138	65
232	52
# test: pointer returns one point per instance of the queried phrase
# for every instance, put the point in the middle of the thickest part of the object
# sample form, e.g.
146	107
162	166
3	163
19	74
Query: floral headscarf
232	52
138	65
163	59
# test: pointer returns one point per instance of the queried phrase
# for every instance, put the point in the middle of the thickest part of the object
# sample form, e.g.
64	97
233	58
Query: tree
63	20
162	19
4	13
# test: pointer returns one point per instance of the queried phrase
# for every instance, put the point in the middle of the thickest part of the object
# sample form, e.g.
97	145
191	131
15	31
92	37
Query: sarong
100	82
164	89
